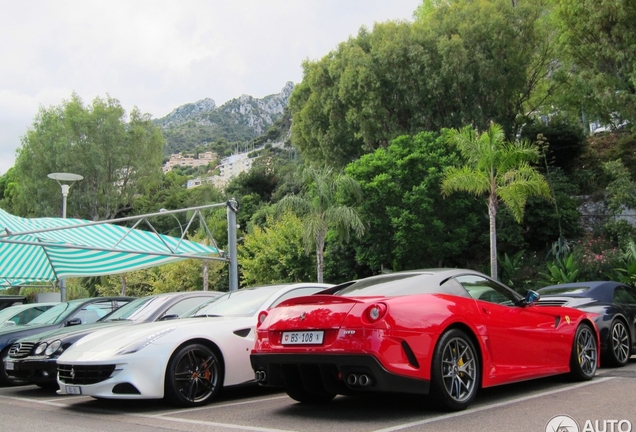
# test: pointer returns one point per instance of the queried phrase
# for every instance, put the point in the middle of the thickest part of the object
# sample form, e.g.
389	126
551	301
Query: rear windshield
244	302
392	285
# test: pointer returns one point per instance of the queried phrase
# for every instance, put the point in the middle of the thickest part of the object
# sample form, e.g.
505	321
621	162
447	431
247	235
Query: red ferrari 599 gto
443	332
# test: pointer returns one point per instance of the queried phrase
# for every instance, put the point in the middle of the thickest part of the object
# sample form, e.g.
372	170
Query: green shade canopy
42	250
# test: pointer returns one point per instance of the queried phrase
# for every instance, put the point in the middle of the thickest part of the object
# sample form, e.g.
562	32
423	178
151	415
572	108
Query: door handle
486	311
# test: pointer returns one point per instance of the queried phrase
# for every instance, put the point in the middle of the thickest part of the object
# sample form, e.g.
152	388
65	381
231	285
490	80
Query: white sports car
186	361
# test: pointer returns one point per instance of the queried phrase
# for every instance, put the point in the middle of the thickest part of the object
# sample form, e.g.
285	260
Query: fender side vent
243	332
410	355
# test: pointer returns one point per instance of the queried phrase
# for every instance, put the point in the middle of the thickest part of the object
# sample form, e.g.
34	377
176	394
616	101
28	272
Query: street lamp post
69	179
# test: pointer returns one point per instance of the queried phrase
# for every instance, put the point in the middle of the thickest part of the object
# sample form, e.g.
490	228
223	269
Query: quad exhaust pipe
260	376
361	380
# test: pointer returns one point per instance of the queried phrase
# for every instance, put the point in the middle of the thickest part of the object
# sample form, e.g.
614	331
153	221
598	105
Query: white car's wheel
194	376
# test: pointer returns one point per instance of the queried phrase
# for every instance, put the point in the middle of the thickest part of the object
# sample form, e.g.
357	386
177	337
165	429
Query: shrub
598	259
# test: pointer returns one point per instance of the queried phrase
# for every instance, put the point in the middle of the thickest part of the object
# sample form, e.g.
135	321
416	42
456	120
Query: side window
24	317
94	311
484	289
296	293
185	305
453	287
624	295
89	314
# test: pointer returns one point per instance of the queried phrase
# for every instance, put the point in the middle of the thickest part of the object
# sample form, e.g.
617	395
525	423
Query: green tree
621	190
119	157
410	225
8	187
275	253
462	62
320	206
496	168
599	39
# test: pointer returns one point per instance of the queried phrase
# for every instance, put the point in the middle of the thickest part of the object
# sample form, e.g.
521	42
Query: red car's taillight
375	312
261	318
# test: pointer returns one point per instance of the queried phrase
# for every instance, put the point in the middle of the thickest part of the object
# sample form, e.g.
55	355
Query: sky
158	55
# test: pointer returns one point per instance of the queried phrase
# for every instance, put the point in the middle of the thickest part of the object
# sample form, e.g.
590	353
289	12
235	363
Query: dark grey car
66	314
615	304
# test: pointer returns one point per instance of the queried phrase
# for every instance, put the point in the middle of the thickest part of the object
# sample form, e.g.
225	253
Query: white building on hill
189	160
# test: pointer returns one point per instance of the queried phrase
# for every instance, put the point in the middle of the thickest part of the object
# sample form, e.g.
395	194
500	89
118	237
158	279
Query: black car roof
598	290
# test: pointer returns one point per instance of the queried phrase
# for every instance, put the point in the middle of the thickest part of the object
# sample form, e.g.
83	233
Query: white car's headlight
53	347
40	348
142	343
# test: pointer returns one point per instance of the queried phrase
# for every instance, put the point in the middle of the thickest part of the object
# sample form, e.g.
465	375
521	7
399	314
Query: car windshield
244	302
564	290
136	310
57	313
7	313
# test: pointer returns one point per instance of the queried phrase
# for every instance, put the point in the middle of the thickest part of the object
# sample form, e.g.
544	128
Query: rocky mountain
238	120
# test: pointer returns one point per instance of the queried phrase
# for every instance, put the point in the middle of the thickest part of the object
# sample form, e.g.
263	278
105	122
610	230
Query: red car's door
519	338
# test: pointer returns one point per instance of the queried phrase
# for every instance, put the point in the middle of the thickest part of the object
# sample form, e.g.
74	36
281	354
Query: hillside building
188	160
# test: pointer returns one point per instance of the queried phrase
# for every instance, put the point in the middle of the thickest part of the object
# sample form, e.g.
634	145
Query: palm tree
497	168
320	210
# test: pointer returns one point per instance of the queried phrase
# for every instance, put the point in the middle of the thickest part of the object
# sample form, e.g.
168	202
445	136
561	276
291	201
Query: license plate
74	390
8	365
302	338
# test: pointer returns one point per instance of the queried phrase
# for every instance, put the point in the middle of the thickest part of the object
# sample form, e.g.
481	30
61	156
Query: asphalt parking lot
604	404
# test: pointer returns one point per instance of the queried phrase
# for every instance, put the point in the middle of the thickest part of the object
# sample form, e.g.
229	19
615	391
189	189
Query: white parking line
231	404
207	423
163	417
487	407
29	400
166	415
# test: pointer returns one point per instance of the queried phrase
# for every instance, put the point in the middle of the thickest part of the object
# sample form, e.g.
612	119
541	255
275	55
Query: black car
65	314
34	358
11	300
616	305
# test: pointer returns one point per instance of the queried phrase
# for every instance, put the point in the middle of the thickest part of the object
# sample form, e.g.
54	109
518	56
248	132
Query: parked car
419	332
11	300
22	313
185	361
34	358
64	314
615	304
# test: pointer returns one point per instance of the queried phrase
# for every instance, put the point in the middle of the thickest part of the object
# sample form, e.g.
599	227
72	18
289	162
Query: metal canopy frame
229	256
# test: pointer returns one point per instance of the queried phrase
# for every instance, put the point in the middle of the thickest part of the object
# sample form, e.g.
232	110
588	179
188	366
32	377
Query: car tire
297	390
584	355
194	376
618	345
455	371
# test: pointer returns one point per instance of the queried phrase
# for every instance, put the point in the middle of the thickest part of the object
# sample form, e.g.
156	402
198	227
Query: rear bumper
338	373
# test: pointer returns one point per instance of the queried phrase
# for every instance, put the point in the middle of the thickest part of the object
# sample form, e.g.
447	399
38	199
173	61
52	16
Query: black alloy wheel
194	376
618	351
